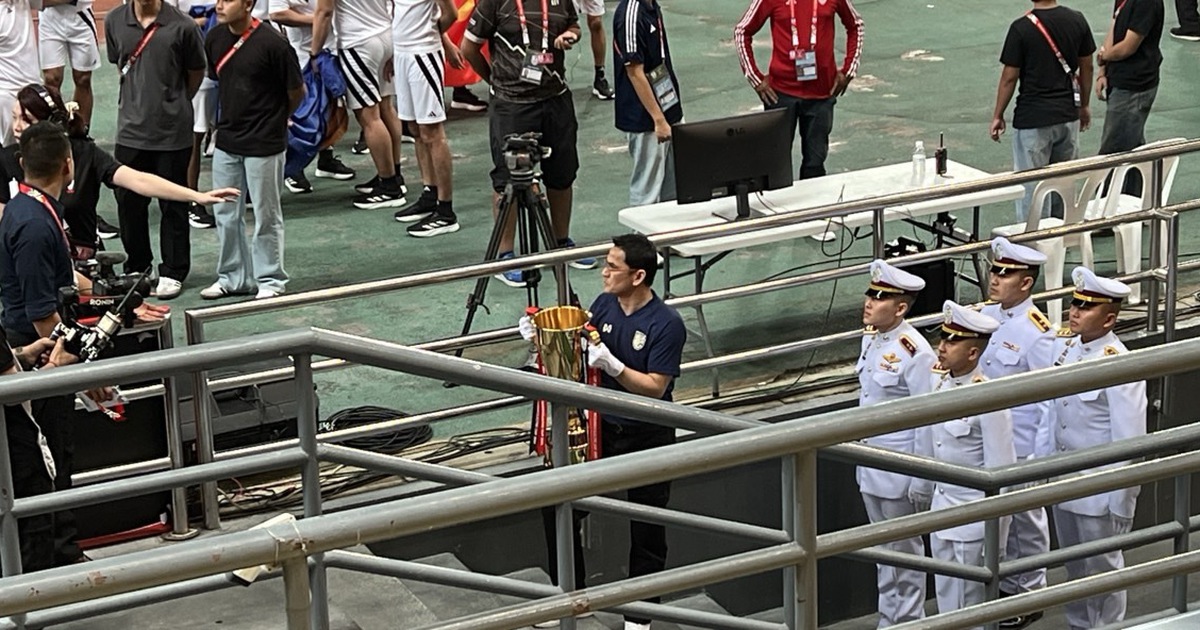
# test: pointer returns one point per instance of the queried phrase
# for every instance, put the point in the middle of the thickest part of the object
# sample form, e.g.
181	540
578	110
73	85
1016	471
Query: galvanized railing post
1183	483
805	534
201	412
10	543
179	513
564	525
1154	189
296	594
991	559
877	235
789	499
310	478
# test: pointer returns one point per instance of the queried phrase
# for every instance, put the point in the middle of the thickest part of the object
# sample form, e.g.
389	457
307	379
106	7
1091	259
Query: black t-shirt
1139	71
498	22
93	166
1045	95
253	90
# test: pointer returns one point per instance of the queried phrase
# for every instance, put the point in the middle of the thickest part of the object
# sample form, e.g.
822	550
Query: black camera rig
91	320
522	153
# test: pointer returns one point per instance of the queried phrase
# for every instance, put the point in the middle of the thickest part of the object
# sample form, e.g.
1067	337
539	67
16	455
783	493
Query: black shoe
368	186
106	230
1020	621
462	98
434	225
424	206
601	90
1187	35
298	185
360	147
333	168
379	199
200	218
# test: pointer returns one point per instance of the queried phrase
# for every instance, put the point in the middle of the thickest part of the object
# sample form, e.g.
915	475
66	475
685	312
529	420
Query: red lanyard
137	52
37	194
545	24
1050	40
812	40
254	22
1119	7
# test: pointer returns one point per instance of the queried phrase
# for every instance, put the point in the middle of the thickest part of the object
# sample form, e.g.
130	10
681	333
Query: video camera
522	152
111	305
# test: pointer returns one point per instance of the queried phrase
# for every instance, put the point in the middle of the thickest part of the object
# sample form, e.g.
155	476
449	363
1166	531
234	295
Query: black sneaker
1020	621
360	146
333	168
422	208
379	199
1187	35
200	218
433	225
368	186
465	99
298	185
601	90
106	230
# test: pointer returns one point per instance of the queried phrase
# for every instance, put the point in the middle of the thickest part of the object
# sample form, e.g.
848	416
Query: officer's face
958	355
619	278
1091	320
1008	288
883	312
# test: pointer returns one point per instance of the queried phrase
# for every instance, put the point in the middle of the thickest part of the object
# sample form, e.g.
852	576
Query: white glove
920	499
528	329
599	356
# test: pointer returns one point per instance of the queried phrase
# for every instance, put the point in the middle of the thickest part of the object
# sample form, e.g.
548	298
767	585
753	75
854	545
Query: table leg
666	254
981	270
700	271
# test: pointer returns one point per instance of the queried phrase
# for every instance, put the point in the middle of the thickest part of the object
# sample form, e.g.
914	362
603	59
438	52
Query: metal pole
310	480
991	560
805	523
1155	191
1172	281
1183	483
10	543
204	430
877	232
789	493
295	592
179	513
564	526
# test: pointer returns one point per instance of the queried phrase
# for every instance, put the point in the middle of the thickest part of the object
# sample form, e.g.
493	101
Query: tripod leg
476	298
527	244
540	206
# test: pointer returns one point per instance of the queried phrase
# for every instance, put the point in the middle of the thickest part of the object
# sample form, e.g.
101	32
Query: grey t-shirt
154	110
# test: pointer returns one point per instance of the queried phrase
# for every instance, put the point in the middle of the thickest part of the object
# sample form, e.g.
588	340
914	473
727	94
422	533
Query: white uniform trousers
1029	535
901	591
1074	529
955	593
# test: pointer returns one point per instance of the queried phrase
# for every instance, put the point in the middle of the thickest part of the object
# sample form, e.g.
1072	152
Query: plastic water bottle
918	164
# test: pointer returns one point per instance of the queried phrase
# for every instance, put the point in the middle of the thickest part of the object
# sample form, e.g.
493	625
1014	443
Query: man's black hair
639	254
44	149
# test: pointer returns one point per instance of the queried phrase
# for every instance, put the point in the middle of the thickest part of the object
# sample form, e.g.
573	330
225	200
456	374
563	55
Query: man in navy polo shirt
648	101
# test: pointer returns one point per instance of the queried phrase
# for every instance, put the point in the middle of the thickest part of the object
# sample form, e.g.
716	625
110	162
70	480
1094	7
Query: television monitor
737	155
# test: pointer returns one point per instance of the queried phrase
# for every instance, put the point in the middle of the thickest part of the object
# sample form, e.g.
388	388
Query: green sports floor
929	66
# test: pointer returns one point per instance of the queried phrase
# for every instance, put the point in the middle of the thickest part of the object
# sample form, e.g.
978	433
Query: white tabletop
813	193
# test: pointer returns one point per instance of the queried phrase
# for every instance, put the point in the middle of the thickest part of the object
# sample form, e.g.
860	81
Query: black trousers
30	479
1189	16
813	120
647	542
133	212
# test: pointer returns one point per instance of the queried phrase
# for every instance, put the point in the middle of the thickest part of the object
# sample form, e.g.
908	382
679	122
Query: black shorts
554	118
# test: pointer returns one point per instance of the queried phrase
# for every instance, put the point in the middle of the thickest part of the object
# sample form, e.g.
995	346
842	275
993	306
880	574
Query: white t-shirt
358	21
414	27
19	63
299	36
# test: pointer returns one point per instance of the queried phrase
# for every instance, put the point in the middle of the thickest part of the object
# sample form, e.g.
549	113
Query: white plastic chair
1129	235
1076	192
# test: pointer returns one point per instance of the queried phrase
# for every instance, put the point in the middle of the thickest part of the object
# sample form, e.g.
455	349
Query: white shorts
363	69
7	100
590	7
420	80
68	38
204	107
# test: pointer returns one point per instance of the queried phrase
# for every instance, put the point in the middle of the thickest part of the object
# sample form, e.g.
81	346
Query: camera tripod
525	195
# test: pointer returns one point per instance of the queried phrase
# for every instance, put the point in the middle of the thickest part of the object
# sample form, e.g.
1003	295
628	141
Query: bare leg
509	230
596	29
433	156
378	138
387	113
83	93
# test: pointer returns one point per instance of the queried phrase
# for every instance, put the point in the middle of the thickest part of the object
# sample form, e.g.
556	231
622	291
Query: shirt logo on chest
639	340
607	328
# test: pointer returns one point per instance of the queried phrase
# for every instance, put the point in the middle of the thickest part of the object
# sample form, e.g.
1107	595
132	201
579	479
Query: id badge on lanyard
804	59
1072	75
664	88
533	70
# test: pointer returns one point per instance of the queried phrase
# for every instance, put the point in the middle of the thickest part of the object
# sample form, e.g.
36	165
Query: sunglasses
1084	304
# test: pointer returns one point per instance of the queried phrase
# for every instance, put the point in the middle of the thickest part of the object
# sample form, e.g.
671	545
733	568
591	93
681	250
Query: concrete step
375	602
447	602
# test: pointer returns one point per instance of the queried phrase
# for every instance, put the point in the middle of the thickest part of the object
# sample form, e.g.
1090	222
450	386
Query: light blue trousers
1042	146
246	263
653	177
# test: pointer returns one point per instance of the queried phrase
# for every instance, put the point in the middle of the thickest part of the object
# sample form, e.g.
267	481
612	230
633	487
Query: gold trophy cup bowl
559	342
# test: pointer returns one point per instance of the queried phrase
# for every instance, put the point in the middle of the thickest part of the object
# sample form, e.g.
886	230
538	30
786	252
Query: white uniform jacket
892	365
1023	343
1097	417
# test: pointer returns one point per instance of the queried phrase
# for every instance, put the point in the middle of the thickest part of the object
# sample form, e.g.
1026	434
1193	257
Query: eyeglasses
1084	304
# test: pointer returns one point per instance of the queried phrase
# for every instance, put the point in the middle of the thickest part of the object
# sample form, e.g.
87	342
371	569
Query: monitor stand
743	209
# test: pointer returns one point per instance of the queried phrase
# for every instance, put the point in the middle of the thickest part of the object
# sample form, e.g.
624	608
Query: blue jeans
241	265
653	177
1042	146
814	119
1125	128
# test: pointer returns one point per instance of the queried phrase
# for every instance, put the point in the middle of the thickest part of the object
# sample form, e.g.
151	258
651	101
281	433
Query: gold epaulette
1039	320
1065	332
1111	351
908	345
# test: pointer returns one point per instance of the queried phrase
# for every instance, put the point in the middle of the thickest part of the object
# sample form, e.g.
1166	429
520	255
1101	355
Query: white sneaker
215	292
168	288
265	293
553	623
629	625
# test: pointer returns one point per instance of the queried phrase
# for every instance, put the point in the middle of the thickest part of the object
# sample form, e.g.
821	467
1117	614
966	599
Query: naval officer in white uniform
984	441
1089	419
1022	343
895	362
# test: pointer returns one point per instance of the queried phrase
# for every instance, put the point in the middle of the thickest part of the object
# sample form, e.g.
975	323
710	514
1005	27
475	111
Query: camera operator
528	40
93	166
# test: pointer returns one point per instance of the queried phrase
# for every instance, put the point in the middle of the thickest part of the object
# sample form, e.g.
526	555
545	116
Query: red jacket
782	69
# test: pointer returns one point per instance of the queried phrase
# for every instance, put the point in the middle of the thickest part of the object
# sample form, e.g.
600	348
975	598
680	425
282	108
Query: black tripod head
522	154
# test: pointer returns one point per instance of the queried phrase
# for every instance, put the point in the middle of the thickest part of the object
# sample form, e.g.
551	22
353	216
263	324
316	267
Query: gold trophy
560	349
